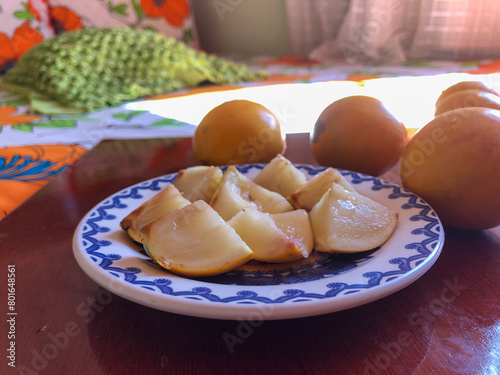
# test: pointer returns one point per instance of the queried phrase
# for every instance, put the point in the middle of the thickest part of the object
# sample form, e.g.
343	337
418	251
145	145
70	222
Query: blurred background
353	30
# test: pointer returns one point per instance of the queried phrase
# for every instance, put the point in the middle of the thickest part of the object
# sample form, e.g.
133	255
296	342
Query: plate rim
234	311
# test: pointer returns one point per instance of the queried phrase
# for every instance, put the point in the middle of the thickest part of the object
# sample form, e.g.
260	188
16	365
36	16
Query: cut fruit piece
198	182
311	192
237	192
275	238
297	226
166	201
195	241
280	176
347	222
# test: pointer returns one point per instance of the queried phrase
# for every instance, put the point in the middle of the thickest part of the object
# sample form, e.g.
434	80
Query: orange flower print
487	67
32	10
64	19
11	50
25	37
8	54
174	11
8	116
25	169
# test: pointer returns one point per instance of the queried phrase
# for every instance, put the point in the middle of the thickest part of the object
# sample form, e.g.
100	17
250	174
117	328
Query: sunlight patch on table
298	105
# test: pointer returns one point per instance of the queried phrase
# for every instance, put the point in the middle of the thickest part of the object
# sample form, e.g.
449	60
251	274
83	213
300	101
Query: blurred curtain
370	31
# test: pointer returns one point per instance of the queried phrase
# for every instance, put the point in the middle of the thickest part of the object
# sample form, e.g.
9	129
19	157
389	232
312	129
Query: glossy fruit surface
467	98
238	132
465	85
453	163
347	222
194	241
358	133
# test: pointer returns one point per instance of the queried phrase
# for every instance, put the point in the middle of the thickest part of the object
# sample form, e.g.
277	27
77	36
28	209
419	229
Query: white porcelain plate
323	283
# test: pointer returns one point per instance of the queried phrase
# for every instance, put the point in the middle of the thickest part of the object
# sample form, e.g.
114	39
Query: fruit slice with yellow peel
280	176
275	238
198	182
166	201
195	241
237	192
347	222
311	192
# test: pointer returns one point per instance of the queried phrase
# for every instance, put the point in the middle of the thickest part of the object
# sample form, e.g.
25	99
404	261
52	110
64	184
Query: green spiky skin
95	68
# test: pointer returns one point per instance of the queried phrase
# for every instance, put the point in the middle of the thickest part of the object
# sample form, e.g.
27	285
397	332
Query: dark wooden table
447	322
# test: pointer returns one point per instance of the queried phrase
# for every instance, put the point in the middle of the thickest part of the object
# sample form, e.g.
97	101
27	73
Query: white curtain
394	31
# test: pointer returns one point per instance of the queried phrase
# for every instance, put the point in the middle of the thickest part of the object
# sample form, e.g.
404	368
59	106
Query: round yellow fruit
358	133
238	132
467	98
465	85
453	163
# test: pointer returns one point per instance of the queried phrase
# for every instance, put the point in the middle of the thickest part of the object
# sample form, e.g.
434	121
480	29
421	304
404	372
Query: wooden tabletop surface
62	322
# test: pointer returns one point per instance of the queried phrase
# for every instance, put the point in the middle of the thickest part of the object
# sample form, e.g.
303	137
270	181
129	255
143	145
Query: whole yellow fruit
358	133
467	98
465	85
238	132
453	163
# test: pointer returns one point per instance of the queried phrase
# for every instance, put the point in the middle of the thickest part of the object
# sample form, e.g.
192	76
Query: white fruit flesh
296	224
344	221
233	219
166	201
237	192
311	192
266	238
198	182
195	241
280	176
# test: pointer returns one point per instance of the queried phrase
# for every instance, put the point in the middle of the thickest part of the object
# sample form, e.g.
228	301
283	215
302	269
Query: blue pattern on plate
327	266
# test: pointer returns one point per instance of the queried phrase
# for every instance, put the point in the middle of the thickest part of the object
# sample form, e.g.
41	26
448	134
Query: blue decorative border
422	250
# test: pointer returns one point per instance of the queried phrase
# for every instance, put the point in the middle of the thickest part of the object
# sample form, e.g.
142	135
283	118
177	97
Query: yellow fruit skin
465	85
358	133
453	163
238	132
467	98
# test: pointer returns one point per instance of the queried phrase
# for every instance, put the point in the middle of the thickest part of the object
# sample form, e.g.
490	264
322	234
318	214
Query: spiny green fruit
94	68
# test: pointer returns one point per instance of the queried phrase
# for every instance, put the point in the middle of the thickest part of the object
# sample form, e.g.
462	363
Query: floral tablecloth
34	148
